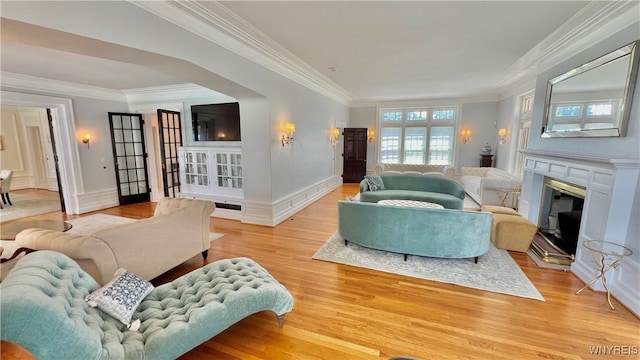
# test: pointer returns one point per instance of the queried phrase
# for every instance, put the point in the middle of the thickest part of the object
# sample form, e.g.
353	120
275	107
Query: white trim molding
594	23
64	131
213	21
98	200
173	92
38	84
266	214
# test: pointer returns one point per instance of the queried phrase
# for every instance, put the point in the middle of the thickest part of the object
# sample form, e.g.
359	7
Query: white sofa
178	230
485	184
445	171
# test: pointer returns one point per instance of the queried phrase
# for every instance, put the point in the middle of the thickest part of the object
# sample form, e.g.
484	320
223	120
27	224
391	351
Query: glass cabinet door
223	170
229	170
236	171
196	168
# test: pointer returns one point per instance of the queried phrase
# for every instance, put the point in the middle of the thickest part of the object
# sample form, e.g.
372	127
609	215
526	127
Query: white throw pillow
121	296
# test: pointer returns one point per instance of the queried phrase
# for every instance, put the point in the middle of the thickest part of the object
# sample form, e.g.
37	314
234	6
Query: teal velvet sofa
442	233
433	189
44	311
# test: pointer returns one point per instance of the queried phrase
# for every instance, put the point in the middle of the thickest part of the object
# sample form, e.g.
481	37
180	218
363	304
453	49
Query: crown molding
38	84
219	25
158	93
594	23
173	92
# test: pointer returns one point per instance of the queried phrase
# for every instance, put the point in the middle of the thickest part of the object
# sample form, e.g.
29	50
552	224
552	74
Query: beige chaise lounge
178	230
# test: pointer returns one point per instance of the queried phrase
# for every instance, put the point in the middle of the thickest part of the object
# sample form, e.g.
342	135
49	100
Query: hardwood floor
347	312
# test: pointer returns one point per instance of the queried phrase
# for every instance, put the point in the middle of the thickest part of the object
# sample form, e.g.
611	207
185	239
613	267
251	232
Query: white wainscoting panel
98	200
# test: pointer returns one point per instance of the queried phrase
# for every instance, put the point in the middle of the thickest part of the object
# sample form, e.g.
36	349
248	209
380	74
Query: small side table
605	255
486	160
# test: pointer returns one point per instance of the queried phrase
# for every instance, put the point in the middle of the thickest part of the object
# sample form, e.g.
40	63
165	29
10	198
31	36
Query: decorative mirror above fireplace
594	99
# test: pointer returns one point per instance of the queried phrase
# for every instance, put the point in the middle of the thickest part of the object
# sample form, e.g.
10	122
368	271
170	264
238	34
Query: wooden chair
5	185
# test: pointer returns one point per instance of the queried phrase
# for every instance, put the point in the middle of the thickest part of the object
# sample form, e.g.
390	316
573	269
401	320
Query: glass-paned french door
170	140
129	152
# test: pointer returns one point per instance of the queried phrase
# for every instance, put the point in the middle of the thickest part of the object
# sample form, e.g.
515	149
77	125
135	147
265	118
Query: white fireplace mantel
611	196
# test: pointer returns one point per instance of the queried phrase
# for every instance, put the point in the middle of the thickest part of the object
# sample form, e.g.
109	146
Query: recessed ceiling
385	50
378	50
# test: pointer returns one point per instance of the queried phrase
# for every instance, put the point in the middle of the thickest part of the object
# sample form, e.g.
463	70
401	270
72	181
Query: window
390	145
600	109
526	109
568	111
417	135
415	140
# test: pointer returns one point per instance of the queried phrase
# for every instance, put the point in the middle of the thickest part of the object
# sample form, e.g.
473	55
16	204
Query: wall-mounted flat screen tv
216	122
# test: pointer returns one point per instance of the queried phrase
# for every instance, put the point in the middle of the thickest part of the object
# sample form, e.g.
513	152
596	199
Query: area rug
24	205
495	271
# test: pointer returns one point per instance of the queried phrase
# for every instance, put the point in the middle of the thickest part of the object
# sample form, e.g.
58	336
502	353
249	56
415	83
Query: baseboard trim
259	213
98	200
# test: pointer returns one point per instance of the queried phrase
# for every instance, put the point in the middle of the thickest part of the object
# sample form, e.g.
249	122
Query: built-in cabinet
211	173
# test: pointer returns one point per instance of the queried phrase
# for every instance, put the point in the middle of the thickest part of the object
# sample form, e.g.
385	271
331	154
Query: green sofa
44	311
433	189
442	233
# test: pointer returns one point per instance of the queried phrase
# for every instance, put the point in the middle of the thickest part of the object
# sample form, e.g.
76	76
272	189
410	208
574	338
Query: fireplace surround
611	188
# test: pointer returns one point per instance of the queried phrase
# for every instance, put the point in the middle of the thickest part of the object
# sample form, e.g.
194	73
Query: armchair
5	185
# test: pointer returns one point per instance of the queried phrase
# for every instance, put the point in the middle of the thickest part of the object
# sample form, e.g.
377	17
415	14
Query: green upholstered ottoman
44	311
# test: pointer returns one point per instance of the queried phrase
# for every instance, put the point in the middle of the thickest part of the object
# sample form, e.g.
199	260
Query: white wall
366	117
508	121
481	118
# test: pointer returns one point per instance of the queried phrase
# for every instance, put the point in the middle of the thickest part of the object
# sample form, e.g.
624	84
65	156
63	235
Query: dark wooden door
354	155
129	152
170	140
63	207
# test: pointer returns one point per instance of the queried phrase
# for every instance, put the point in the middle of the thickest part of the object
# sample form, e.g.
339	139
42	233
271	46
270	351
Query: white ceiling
386	50
380	50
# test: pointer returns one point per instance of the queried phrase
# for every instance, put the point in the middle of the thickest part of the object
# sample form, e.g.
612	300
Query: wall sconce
466	136
503	136
87	140
333	138
370	134
287	138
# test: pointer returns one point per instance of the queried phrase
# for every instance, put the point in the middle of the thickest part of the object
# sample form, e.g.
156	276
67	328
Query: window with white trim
417	135
526	109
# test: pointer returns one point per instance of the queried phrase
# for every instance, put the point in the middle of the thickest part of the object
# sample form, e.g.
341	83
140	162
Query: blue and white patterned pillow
121	296
375	182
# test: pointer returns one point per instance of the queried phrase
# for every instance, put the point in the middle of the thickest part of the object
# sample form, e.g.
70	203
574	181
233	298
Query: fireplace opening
560	216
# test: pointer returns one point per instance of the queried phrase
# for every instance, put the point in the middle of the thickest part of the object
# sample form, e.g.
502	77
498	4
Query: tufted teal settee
43	309
445	192
442	233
